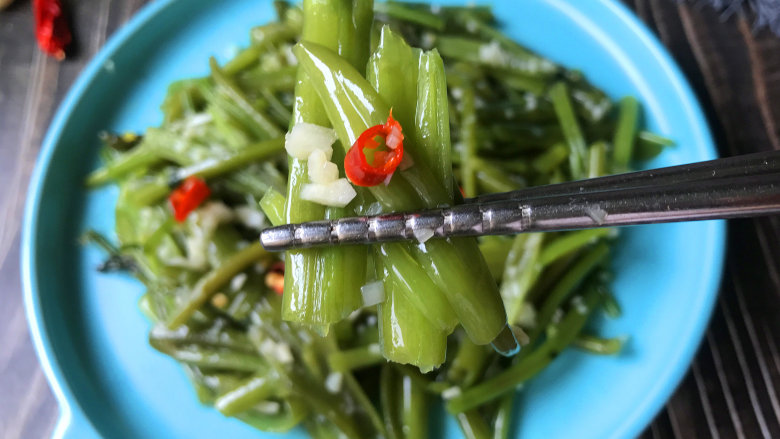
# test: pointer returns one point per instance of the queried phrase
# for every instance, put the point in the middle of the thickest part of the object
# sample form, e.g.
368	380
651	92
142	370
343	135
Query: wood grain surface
732	388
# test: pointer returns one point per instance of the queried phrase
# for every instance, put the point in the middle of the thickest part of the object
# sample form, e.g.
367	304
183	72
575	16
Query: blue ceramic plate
92	340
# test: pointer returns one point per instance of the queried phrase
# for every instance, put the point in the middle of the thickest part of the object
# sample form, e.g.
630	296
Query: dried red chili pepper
51	28
356	166
188	196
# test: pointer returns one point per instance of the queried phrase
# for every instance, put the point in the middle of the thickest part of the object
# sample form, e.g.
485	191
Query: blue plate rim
71	415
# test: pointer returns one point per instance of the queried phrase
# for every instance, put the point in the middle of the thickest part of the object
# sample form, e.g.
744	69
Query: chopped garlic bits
313	143
337	193
395	137
321	171
307	137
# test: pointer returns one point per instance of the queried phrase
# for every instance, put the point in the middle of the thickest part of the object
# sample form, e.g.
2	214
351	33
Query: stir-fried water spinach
358	341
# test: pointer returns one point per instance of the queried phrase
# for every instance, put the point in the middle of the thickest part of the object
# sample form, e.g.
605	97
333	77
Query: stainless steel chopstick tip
278	238
460	220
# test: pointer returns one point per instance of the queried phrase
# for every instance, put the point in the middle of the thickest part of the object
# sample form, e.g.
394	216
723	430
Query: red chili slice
274	279
362	173
51	27
188	196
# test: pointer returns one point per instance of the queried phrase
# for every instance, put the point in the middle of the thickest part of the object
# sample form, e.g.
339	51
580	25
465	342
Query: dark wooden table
732	387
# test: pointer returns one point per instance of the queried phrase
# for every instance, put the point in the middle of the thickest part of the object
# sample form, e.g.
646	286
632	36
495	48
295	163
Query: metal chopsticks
741	165
741	186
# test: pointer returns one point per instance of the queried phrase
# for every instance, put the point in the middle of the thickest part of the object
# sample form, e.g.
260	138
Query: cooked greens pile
364	338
